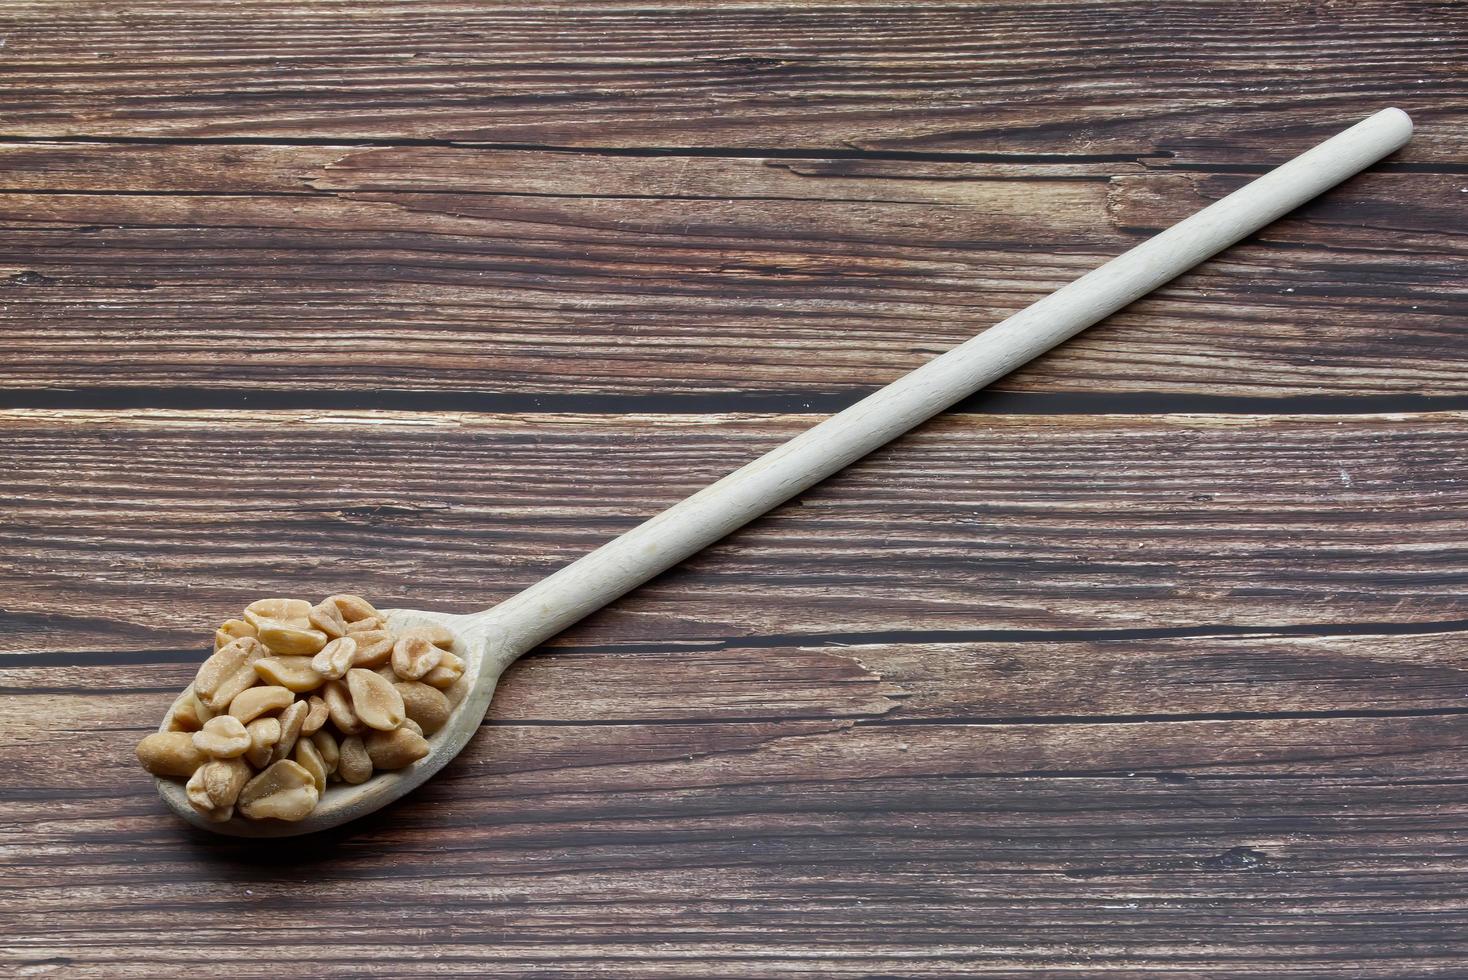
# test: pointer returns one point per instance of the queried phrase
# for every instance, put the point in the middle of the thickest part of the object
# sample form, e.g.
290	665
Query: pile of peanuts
297	696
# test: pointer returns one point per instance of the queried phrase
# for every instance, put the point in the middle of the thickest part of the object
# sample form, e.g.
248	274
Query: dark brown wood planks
1110	78
916	806
882	821
156	519
347	277
1035	695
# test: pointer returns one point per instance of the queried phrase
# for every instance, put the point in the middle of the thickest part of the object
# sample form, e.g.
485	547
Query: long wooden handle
621	565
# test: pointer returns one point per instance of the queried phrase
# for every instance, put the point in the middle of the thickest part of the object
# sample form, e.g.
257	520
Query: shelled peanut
296	697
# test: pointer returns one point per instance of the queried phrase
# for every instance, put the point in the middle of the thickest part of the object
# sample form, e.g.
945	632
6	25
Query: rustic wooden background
1151	661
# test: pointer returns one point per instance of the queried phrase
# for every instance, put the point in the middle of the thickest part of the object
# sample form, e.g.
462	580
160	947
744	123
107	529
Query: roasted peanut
354	764
439	636
234	685
292	673
326	617
374	701
264	733
257	701
223	779
373	648
294	612
232	630
413	656
395	749
282	637
426	705
353	607
336	658
285	791
170	754
223	737
412	726
339	704
224	675
187	714
363	625
291	720
450	668
310	760
457	691
327	748
316	715
198	797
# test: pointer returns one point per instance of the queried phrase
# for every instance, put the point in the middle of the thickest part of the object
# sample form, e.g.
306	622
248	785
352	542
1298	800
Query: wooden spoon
490	641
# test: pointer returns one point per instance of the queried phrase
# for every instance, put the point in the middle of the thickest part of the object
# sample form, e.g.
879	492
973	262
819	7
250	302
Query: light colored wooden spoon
490	641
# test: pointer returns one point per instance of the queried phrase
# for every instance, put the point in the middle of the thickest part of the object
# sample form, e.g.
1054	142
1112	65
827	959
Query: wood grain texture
755	834
948	799
1077	522
1070	77
477	277
1159	671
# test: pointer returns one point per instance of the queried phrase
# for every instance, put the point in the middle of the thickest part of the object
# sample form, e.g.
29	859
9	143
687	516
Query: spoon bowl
484	661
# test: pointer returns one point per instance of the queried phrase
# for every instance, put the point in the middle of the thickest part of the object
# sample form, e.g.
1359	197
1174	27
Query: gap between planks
273	418
151	399
1150	160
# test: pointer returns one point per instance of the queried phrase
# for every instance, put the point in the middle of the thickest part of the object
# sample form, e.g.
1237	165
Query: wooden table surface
1151	661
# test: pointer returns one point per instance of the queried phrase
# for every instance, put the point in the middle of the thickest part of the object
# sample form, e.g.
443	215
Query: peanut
235	684
185	716
339	705
335	659
292	673
223	737
257	701
222	780
426	705
316	715
373	648
354	764
370	623
457	691
326	617
450	668
219	679
170	754
439	636
264	733
291	720
310	760
413	656
198	796
374	701
285	791
282	637
327	748
410	725
202	710
395	749
232	630
353	607
296	612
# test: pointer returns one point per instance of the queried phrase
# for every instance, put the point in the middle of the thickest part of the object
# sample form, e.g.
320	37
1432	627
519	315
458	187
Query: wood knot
1237	859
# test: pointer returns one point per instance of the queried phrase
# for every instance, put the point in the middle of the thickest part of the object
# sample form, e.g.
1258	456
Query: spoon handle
619	566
